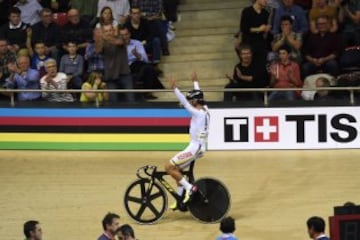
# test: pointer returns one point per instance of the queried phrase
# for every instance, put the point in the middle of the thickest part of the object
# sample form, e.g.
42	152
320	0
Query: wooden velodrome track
273	192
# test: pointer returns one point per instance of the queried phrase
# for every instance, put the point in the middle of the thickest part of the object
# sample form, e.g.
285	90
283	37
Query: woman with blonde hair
94	82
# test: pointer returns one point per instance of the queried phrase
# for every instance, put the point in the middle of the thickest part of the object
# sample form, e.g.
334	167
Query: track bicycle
146	200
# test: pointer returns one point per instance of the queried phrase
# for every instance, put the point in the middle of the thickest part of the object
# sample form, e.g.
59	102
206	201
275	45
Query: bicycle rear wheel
211	202
145	201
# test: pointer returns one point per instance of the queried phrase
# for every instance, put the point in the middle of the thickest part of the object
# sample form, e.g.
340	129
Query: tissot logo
266	129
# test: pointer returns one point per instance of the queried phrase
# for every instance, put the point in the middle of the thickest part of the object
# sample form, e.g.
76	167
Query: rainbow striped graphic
93	129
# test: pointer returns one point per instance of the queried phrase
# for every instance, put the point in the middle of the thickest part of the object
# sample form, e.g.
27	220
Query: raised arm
195	80
181	97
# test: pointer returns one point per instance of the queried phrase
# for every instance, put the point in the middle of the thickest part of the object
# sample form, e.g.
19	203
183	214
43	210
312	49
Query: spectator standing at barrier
47	31
23	77
54	80
138	61
255	29
32	230
120	9
297	15
227	228
285	74
125	232
321	50
316	228
15	31
110	224
117	70
30	11
247	74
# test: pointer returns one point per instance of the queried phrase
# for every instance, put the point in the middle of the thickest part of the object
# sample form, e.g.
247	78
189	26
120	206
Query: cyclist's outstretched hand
172	82
194	76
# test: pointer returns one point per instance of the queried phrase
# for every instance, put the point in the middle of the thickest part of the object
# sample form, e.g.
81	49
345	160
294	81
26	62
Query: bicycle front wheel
145	201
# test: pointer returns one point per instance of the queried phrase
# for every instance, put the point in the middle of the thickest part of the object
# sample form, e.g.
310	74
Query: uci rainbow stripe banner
93	129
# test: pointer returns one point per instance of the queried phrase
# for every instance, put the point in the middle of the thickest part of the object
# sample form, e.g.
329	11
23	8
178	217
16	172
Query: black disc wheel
145	201
211	202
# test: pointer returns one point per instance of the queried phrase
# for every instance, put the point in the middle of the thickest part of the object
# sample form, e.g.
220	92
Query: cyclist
195	104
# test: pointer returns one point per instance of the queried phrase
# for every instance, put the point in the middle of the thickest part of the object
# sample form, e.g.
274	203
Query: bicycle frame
153	174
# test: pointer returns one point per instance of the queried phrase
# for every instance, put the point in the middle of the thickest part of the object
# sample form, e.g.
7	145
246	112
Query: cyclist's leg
180	161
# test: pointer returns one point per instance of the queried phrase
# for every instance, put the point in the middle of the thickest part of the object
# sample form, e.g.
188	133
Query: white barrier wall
284	128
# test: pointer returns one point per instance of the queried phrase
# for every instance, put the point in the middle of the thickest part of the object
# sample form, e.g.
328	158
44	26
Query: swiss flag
266	129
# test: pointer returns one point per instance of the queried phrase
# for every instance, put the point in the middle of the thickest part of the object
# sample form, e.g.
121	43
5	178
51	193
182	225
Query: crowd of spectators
62	44
289	43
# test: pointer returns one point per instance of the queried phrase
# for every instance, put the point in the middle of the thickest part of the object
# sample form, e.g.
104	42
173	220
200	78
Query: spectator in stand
247	74
23	77
289	38
120	9
322	8
30	11
323	95
106	18
76	30
138	61
350	18
47	31
316	228
6	57
57	6
285	74
110	223
32	230
152	10
87	9
297	15
140	30
95	59
310	82
94	82
321	50
15	31
125	232
72	64
255	29
54	80
38	58
117	70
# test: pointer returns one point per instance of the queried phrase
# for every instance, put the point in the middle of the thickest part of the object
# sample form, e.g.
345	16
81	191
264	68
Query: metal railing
265	91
